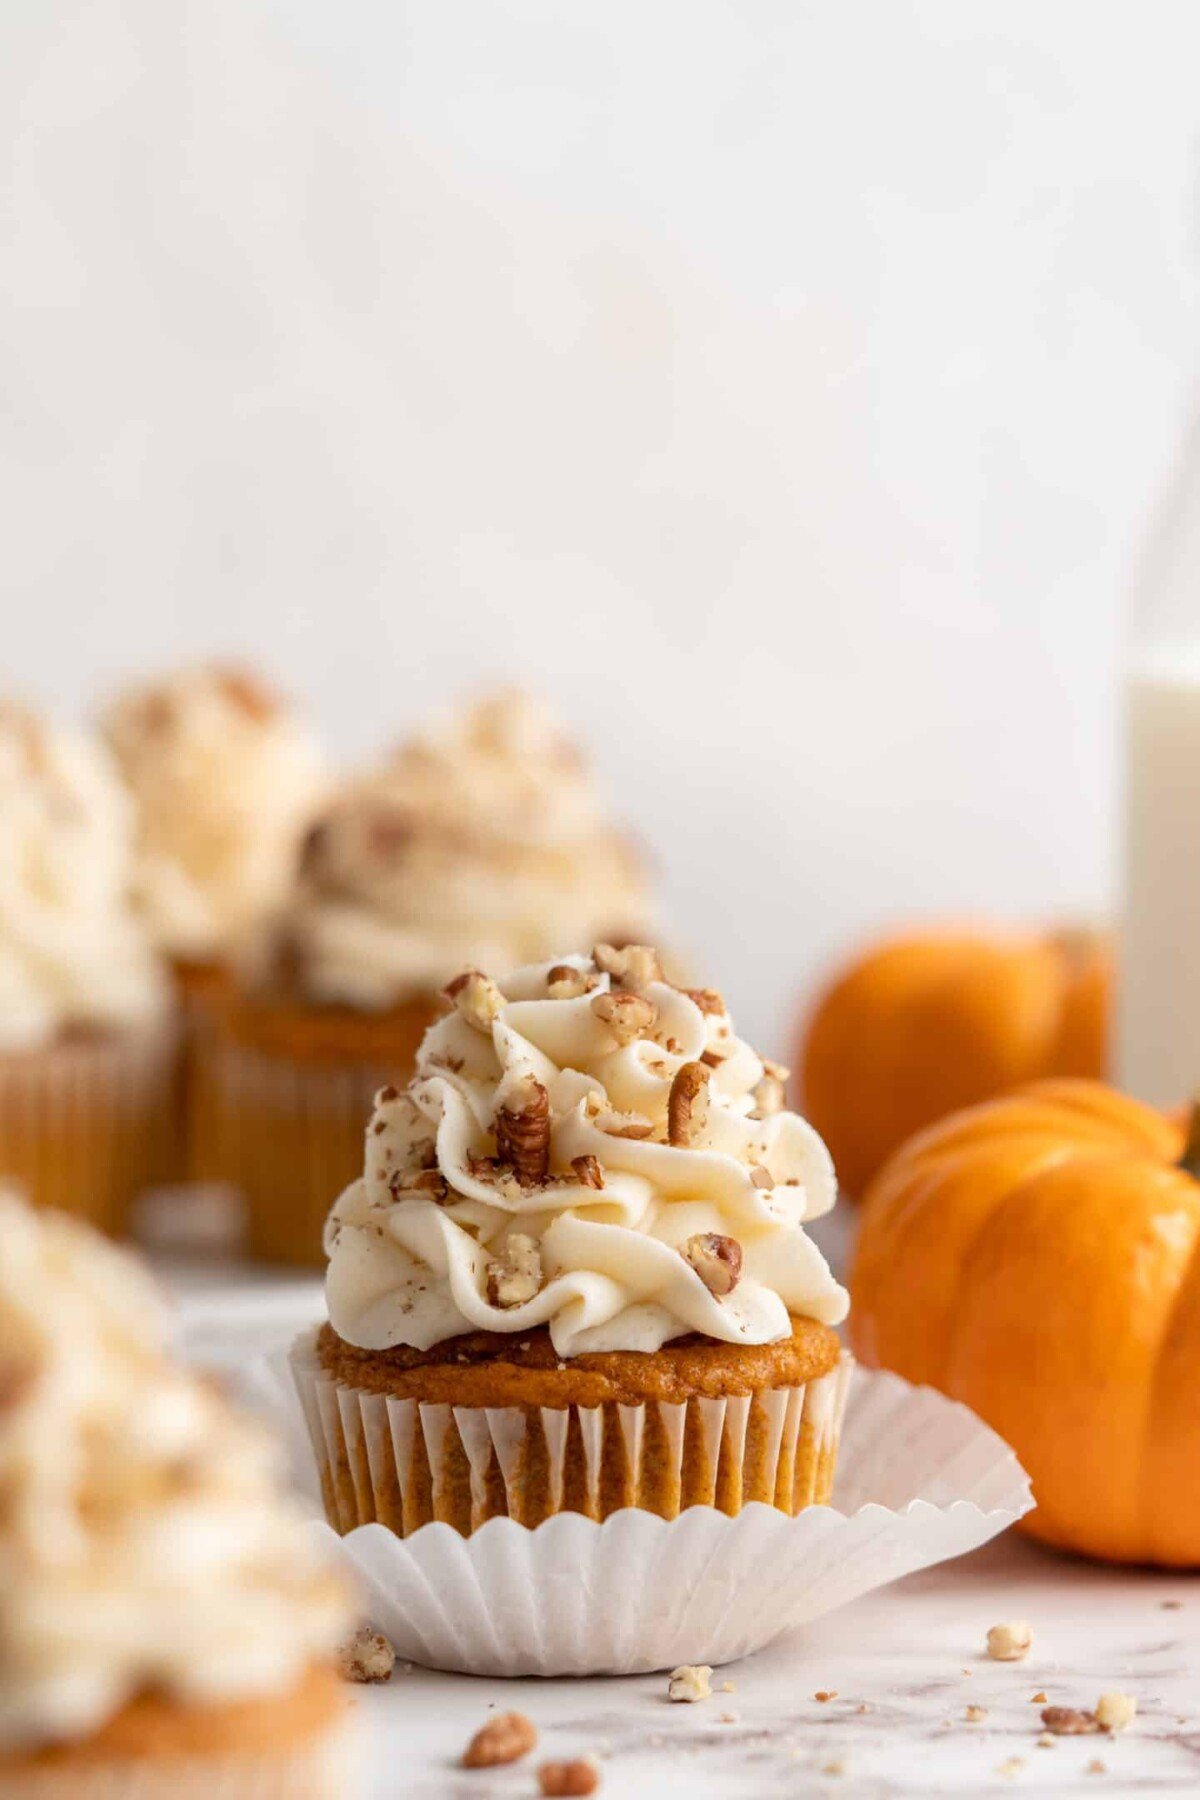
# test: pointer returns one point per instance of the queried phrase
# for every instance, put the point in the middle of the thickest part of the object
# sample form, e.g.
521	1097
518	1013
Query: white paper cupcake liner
403	1464
919	1480
325	1769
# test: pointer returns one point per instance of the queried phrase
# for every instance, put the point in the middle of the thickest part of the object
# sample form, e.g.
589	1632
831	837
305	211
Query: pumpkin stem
1190	1160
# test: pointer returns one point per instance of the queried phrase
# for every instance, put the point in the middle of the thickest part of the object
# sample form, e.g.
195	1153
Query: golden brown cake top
225	779
487	1368
484	841
145	1542
588	1147
71	950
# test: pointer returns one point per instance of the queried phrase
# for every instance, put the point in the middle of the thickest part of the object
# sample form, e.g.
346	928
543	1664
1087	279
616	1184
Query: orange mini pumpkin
932	1021
1036	1258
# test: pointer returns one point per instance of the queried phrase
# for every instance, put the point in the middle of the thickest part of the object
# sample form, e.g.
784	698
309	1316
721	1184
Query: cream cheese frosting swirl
144	1539
482	842
71	950
225	779
587	1147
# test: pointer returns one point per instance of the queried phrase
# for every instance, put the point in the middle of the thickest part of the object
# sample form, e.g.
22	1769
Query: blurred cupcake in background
482	843
167	1623
225	779
86	1067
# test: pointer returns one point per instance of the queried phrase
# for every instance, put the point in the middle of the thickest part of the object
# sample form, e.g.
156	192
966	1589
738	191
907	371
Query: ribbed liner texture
919	1479
88	1123
404	1464
288	1135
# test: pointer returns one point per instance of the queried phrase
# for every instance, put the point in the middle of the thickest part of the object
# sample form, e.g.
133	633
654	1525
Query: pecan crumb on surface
1039	1699
515	1274
504	1739
1046	1741
588	1170
579	1776
825	1694
690	1681
1069	1721
1010	1765
1009	1642
687	1104
1096	1767
716	1259
523	1130
975	1713
627	1016
1115	1711
477	998
366	1656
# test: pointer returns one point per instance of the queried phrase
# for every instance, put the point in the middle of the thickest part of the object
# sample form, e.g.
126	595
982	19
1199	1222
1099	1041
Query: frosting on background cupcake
587	1147
144	1543
71	951
225	780
484	842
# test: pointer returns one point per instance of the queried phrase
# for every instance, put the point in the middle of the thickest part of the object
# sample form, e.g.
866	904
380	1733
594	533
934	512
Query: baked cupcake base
89	1121
283	1092
284	1747
484	1427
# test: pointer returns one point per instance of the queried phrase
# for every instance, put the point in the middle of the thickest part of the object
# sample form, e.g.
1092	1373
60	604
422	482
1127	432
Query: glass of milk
1158	1028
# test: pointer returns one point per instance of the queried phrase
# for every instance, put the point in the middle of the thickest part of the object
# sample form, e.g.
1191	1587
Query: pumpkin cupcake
166	1622
574	1274
483	843
225	779
86	1044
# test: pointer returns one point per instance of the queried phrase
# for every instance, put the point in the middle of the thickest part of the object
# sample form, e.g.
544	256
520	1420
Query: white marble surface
903	1665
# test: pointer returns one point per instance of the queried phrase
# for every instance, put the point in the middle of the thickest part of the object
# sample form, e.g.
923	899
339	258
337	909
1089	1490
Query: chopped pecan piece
634	966
366	1656
418	1181
625	1125
569	1780
708	1000
588	1169
504	1739
515	1275
716	1259
523	1131
690	1682
628	1016
1009	1642
477	998
1114	1710
687	1105
1069	1721
565	982
768	1096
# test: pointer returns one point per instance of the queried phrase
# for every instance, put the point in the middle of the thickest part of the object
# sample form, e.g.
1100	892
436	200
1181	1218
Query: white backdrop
781	388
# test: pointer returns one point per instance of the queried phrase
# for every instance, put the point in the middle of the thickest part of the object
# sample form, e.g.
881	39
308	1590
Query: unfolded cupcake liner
919	1480
288	1135
323	1769
87	1123
406	1464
